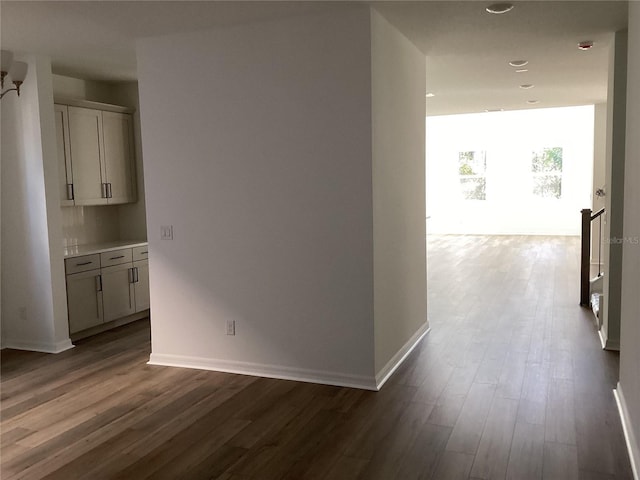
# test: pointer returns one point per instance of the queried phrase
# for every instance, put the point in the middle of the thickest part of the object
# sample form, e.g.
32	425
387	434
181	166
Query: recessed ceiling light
499	8
533	102
518	63
429	95
527	86
493	110
522	70
586	45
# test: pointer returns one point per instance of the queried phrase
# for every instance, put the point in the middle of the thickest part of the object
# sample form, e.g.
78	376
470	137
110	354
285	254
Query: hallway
514	365
510	383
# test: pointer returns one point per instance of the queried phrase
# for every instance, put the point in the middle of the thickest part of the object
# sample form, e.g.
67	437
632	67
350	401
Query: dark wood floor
510	383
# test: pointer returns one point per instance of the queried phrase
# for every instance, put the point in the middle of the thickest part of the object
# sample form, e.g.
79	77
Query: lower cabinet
84	299
141	285
118	292
99	296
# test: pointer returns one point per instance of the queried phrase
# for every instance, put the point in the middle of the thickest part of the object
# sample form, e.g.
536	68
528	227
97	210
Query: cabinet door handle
109	193
69	191
104	190
98	283
83	264
116	258
131	281
135	272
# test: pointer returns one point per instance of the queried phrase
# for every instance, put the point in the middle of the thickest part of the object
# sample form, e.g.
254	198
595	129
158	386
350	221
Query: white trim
260	370
400	356
76	102
606	343
58	347
632	442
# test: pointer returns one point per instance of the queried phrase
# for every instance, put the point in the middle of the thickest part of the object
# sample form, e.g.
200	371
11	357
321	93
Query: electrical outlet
166	232
231	327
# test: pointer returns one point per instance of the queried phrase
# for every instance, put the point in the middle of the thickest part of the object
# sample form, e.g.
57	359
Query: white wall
509	138
262	164
615	183
599	166
79	88
132	217
34	314
399	247
629	386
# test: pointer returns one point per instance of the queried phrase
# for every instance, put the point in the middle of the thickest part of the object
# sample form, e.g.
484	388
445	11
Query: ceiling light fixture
16	70
518	63
527	86
533	102
522	70
429	95
499	8
493	110
586	45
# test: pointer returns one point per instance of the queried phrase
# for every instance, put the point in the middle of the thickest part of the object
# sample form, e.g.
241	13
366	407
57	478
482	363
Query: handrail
597	214
585	252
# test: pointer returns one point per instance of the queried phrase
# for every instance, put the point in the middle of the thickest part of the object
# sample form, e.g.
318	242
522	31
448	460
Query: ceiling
467	49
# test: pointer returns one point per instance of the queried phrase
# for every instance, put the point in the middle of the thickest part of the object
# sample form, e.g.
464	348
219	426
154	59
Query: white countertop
79	250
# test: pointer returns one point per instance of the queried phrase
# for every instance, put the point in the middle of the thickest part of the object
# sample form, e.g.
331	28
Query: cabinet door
118	291
84	300
141	285
85	138
119	156
65	175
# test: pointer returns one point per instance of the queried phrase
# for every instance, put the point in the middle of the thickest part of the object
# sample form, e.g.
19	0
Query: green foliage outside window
548	160
474	188
471	169
546	166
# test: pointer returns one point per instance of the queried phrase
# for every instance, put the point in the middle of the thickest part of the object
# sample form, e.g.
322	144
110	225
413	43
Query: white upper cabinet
96	157
118	156
64	156
85	131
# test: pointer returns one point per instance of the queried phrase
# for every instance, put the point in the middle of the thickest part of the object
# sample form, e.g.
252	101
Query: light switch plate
166	232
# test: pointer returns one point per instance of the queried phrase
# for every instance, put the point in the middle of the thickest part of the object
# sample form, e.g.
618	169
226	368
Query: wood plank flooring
511	383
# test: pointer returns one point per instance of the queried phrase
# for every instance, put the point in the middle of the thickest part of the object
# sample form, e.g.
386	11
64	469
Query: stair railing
585	252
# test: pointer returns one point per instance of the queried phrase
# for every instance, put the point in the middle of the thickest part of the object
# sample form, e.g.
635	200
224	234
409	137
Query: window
472	171
546	170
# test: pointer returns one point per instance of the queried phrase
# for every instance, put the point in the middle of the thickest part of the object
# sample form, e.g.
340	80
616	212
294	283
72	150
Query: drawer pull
83	264
144	253
115	258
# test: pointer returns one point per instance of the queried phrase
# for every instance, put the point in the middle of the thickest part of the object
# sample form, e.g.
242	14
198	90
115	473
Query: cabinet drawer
116	257
140	253
82	264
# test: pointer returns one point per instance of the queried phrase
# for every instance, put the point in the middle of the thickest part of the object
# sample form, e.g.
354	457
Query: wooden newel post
585	252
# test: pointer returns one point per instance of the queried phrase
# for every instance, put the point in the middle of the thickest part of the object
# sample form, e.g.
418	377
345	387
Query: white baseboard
632	442
383	375
269	371
606	343
44	347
